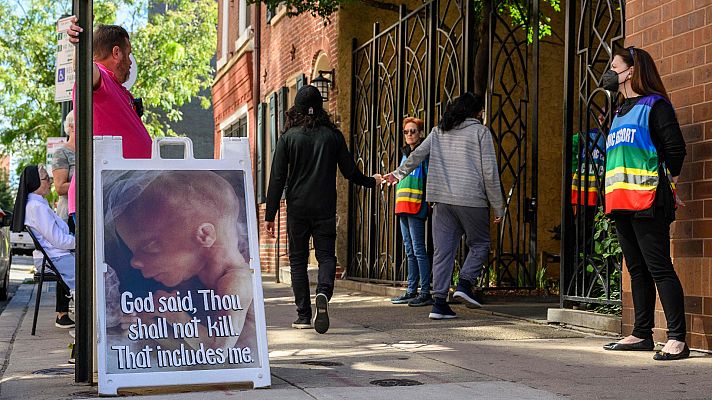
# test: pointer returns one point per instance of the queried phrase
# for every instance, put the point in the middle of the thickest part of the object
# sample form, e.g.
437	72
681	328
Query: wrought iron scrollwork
413	68
588	274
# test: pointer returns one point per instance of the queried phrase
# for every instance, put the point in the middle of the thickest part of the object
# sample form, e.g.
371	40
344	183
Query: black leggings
62	304
646	247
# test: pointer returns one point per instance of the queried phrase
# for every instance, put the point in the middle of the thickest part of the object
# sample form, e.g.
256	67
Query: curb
10	322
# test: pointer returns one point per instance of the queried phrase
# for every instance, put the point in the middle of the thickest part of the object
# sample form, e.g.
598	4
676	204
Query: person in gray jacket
463	182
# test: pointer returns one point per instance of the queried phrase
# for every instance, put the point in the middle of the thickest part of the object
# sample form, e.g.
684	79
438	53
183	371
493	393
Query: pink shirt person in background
113	106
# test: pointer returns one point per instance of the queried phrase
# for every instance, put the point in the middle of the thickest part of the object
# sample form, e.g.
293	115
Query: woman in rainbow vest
412	210
644	155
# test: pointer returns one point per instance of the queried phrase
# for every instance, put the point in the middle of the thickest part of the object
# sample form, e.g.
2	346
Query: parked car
5	253
21	243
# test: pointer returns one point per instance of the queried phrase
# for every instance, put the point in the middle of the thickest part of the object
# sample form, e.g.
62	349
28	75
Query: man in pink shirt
114	110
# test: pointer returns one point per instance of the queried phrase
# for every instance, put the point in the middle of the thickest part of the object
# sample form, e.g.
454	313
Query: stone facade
678	35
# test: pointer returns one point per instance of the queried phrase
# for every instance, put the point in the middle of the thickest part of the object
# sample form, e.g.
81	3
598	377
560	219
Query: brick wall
268	246
290	47
231	91
678	34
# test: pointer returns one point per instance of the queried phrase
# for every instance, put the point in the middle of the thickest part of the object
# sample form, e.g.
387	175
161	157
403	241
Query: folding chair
46	262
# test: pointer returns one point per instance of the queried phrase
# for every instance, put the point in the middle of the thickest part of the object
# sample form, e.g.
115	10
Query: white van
21	243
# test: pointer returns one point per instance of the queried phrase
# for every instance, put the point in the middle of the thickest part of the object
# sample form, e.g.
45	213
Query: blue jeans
413	232
65	266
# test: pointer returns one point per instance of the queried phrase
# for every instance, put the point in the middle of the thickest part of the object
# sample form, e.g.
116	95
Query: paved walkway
477	356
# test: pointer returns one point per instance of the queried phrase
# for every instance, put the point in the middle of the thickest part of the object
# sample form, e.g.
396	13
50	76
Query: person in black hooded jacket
305	160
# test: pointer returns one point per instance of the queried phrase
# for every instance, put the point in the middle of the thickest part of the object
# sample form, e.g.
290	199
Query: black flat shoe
644	345
663	356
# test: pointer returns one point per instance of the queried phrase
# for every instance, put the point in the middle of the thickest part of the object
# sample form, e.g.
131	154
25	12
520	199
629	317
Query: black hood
29	182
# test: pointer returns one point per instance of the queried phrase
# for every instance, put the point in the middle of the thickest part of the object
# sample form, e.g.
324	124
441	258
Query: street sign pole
85	216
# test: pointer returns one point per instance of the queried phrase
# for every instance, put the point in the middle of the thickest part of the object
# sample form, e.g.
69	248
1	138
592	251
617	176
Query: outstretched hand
378	178
390	179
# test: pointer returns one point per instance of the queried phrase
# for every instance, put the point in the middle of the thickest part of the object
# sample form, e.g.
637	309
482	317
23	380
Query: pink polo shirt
114	115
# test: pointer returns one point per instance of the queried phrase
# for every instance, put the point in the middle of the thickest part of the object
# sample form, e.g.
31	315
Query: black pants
324	233
62	302
646	247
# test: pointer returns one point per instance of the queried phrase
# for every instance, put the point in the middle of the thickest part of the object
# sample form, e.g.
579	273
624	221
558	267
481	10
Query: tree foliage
7	198
517	10
173	50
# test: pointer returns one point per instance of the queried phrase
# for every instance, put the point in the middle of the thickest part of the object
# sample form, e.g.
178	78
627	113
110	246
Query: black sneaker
441	310
321	320
421	301
464	294
404	299
302	323
64	322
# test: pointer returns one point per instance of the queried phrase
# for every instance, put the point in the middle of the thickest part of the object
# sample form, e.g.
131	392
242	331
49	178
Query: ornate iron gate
595	28
413	68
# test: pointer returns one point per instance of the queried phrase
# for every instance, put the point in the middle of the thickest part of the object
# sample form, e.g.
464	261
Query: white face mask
133	73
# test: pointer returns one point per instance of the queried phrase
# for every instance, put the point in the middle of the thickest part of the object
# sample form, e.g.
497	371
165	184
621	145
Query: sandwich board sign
178	288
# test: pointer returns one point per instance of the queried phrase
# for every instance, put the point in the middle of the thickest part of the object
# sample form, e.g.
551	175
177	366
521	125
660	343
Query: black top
664	132
306	161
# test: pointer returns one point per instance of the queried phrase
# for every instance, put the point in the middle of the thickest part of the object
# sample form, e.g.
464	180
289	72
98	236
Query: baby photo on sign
178	285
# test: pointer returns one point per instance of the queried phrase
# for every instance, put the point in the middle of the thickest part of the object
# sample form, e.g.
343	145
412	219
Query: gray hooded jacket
463	167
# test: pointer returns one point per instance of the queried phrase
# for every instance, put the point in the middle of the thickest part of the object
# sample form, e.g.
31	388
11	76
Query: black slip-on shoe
663	356
644	345
441	310
464	294
302	323
64	322
321	320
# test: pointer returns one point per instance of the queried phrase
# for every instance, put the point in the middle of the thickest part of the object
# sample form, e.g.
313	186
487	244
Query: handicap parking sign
60	75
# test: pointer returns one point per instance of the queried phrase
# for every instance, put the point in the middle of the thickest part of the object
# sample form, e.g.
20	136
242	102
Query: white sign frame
235	156
64	63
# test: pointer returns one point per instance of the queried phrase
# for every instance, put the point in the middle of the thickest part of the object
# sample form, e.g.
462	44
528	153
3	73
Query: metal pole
535	150
351	246
569	63
85	204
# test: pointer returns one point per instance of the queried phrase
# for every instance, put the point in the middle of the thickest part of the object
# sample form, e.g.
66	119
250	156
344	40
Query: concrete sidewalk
477	356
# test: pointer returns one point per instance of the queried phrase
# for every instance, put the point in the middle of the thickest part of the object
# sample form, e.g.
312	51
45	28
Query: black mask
609	80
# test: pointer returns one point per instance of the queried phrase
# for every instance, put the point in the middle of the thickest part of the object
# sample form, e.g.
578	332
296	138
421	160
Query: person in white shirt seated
52	233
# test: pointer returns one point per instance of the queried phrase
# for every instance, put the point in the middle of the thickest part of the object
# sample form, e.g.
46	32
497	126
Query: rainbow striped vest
587	165
632	160
410	191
